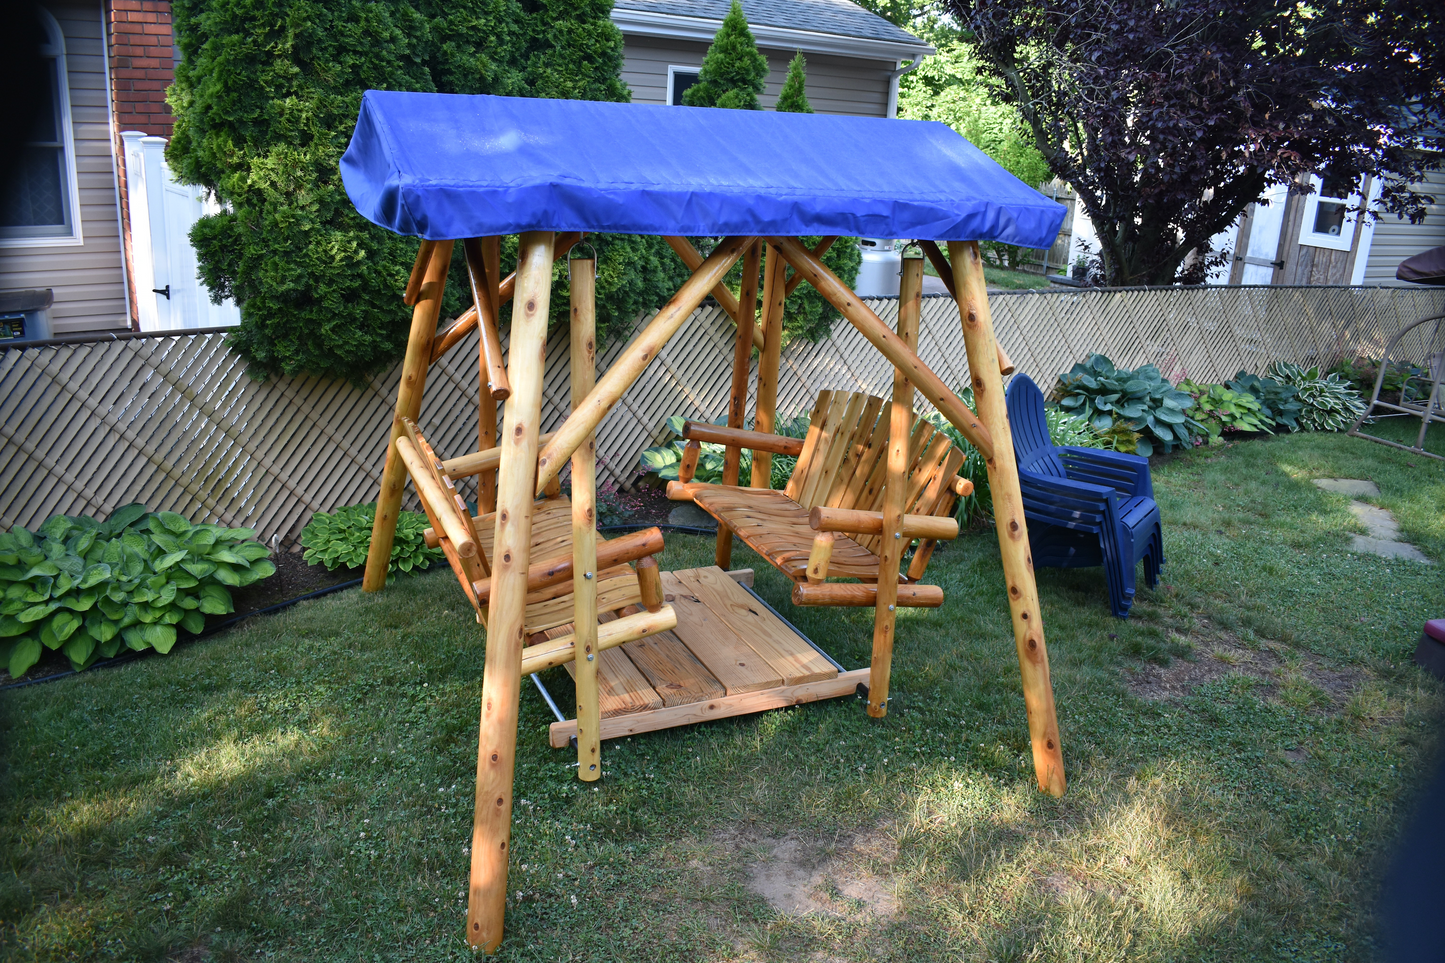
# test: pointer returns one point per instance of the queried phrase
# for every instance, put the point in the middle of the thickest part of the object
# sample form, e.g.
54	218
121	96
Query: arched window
39	205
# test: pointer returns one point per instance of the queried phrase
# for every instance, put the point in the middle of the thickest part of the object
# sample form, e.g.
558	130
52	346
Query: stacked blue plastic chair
1085	506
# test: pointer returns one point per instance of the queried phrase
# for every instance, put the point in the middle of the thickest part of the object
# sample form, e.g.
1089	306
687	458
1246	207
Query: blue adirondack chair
1085	506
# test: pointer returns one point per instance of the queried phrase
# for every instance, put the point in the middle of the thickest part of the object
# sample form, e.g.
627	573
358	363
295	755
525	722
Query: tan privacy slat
176	421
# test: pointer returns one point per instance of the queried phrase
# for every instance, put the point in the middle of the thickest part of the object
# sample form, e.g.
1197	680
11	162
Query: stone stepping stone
1383	538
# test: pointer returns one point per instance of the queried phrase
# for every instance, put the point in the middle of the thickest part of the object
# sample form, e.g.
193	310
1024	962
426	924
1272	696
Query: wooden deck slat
730	660
621	689
672	670
785	651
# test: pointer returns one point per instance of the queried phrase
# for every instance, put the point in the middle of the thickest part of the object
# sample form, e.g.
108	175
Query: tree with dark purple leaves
1169	117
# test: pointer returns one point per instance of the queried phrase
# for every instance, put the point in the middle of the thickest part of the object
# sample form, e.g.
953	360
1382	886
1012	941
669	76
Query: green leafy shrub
665	460
87	587
1328	402
342	538
1141	399
733	70
1278	401
266	97
1403	380
1220	409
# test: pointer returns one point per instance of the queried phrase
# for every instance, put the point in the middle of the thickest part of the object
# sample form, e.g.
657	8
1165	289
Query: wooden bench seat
841	465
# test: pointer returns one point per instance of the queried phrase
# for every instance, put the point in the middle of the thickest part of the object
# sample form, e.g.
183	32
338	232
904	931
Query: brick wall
141	68
141	60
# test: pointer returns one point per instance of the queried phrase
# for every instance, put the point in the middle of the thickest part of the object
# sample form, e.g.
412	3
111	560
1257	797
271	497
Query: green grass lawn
1240	755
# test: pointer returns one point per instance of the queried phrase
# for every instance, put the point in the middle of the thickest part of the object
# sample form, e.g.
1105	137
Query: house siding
1396	239
836	85
86	279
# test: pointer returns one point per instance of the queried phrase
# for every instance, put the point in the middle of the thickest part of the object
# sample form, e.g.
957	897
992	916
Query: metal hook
570	258
915	243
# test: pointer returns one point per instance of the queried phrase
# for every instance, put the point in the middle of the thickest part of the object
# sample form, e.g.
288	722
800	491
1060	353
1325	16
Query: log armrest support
855	522
688	468
742	438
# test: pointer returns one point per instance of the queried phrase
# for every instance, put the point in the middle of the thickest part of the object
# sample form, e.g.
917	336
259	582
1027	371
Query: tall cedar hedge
265	99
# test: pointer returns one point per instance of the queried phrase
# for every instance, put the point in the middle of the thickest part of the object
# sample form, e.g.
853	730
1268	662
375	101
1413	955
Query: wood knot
494	757
1013	525
1025	617
1033	644
519	431
1049	744
1013	591
502	516
972	316
507	556
499	800
531	305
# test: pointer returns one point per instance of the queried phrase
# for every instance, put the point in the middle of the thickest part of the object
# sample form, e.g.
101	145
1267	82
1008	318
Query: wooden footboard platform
730	655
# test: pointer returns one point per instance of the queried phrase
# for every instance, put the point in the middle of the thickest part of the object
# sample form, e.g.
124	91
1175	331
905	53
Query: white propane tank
878	274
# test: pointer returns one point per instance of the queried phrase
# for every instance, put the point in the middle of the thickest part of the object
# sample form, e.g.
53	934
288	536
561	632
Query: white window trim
76	237
1307	236
672	71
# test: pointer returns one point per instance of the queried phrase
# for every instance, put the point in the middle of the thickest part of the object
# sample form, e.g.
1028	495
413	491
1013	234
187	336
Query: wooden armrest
436	499
871	523
742	438
611	552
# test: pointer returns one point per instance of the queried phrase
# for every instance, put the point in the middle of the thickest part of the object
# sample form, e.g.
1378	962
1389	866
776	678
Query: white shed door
171	296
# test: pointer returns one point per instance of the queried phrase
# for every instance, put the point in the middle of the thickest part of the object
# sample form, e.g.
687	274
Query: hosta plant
1142	400
1278	401
341	539
1327	402
666	459
88	588
1221	409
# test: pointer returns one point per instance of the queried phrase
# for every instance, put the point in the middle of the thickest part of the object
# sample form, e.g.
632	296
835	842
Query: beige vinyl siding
1396	239
87	280
836	85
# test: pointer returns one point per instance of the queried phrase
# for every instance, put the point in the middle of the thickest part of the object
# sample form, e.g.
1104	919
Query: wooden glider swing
871	476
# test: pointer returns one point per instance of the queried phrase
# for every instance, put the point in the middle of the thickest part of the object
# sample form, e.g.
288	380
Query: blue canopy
447	166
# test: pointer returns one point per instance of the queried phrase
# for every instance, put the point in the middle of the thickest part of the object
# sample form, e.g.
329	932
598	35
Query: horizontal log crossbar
629	628
742	438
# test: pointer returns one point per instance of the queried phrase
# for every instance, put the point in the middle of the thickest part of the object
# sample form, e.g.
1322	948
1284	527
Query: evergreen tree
793	98
266	98
734	69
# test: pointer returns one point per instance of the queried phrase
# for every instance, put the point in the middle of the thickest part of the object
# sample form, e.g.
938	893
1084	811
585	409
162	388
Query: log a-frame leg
424	291
738	398
511	555
1008	513
583	362
900	421
988	439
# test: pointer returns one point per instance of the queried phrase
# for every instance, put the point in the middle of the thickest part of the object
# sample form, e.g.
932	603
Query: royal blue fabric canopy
447	166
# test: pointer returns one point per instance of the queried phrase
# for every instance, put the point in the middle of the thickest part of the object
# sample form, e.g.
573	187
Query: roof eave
642	23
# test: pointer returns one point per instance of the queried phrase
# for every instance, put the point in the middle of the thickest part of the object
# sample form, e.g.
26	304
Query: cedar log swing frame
528	464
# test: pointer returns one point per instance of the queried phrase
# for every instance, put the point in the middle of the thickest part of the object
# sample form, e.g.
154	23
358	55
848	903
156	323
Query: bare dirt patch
799	876
1218	654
